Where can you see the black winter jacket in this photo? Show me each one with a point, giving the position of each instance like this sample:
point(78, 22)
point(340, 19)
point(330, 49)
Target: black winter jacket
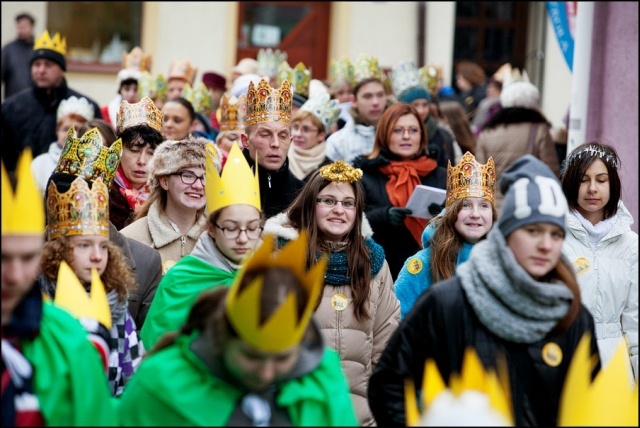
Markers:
point(440, 326)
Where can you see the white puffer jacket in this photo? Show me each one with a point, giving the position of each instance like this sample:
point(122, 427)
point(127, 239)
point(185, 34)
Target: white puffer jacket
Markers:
point(608, 279)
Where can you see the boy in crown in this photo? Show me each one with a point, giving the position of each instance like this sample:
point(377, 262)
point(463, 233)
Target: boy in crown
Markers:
point(29, 117)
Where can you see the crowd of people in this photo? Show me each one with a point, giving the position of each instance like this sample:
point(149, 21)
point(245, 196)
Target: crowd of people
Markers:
point(243, 254)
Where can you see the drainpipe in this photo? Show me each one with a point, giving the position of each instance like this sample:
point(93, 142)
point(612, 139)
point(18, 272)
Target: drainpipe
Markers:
point(581, 76)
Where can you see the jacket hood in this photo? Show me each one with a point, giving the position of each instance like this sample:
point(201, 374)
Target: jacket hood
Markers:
point(621, 225)
point(280, 226)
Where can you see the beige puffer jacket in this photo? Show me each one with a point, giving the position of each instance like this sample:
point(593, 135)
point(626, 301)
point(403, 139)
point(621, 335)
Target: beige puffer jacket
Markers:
point(359, 343)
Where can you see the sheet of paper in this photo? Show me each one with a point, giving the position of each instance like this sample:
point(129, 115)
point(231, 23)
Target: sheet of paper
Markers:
point(422, 197)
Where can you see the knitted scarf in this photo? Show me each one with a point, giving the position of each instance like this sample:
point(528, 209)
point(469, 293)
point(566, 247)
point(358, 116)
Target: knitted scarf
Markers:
point(304, 161)
point(135, 197)
point(338, 267)
point(404, 176)
point(506, 299)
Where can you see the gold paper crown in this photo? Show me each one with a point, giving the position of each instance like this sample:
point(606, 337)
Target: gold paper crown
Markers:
point(22, 211)
point(299, 77)
point(58, 44)
point(144, 112)
point(236, 184)
point(232, 113)
point(607, 401)
point(341, 70)
point(265, 104)
point(471, 179)
point(72, 297)
point(473, 378)
point(182, 69)
point(366, 67)
point(340, 172)
point(88, 157)
point(199, 97)
point(78, 211)
point(284, 328)
point(136, 59)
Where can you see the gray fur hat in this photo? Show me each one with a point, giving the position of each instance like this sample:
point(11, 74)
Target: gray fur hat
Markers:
point(172, 156)
point(532, 194)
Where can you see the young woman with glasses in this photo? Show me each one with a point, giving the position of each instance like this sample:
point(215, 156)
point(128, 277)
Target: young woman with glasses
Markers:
point(358, 310)
point(232, 231)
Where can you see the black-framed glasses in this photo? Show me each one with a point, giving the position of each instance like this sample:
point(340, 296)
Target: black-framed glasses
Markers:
point(234, 232)
point(347, 204)
point(188, 177)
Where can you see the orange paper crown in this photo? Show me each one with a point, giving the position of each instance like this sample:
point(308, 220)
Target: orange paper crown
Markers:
point(471, 179)
point(232, 112)
point(78, 211)
point(265, 104)
point(143, 112)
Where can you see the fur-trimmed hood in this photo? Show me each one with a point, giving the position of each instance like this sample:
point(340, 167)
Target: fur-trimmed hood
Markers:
point(280, 226)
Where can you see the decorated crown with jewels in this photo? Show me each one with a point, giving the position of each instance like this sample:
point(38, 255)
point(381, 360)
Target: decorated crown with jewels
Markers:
point(471, 179)
point(366, 67)
point(232, 112)
point(266, 104)
point(144, 112)
point(327, 110)
point(299, 77)
point(199, 97)
point(405, 76)
point(57, 44)
point(341, 70)
point(88, 157)
point(284, 328)
point(269, 61)
point(78, 211)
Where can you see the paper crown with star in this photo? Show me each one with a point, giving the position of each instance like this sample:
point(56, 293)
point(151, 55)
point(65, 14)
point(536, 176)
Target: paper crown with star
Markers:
point(269, 60)
point(474, 397)
point(144, 112)
point(88, 157)
point(232, 113)
point(23, 210)
point(80, 210)
point(236, 184)
point(299, 77)
point(404, 77)
point(341, 70)
point(327, 110)
point(471, 179)
point(266, 104)
point(366, 67)
point(285, 327)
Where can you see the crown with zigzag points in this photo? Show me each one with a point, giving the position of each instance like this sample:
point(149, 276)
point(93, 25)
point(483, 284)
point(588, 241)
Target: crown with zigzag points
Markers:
point(404, 77)
point(269, 61)
point(341, 70)
point(136, 59)
point(233, 112)
point(299, 77)
point(182, 69)
point(155, 88)
point(367, 67)
point(199, 97)
point(486, 394)
point(144, 112)
point(57, 44)
point(22, 210)
point(236, 184)
point(266, 104)
point(88, 157)
point(471, 179)
point(327, 110)
point(285, 327)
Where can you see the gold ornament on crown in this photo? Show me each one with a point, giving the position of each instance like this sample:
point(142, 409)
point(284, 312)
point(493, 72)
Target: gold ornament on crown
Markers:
point(136, 59)
point(284, 328)
point(299, 77)
point(341, 70)
point(143, 112)
point(22, 210)
point(232, 113)
point(78, 211)
point(236, 184)
point(431, 77)
point(88, 157)
point(57, 44)
point(266, 104)
point(471, 179)
point(366, 67)
point(341, 172)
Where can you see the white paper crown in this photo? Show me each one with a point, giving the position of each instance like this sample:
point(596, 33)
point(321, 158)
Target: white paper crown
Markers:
point(73, 104)
point(405, 76)
point(324, 108)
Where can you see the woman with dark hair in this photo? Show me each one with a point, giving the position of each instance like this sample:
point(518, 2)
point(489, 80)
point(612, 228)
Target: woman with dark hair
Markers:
point(248, 355)
point(358, 310)
point(178, 119)
point(600, 235)
point(398, 163)
point(471, 81)
point(516, 301)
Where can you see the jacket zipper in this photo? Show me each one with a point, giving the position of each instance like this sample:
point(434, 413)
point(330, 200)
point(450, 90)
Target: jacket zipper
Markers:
point(184, 244)
point(269, 180)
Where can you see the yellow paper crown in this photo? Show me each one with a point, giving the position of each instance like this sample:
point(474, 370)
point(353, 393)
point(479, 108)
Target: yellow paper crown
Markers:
point(607, 401)
point(22, 211)
point(72, 297)
point(236, 184)
point(88, 157)
point(78, 211)
point(143, 112)
point(136, 59)
point(182, 69)
point(471, 179)
point(57, 44)
point(265, 104)
point(284, 328)
point(232, 113)
point(366, 67)
point(473, 378)
point(299, 77)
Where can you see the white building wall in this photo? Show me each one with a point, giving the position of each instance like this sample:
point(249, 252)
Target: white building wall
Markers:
point(556, 93)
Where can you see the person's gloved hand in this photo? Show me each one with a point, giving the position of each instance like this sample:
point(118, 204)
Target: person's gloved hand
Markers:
point(434, 209)
point(396, 215)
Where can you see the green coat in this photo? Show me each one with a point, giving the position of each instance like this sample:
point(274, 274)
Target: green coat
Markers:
point(177, 292)
point(175, 388)
point(69, 379)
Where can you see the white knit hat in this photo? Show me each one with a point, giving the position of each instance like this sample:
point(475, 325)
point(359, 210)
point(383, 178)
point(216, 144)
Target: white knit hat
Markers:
point(520, 94)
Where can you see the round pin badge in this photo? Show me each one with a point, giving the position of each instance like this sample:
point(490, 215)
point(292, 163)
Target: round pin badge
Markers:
point(167, 265)
point(552, 354)
point(414, 266)
point(339, 302)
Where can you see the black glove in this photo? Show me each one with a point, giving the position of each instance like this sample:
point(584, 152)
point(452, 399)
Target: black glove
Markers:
point(434, 209)
point(396, 215)
point(434, 151)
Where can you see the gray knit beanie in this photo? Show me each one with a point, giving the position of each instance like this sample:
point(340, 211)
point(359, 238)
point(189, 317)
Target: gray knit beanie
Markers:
point(532, 195)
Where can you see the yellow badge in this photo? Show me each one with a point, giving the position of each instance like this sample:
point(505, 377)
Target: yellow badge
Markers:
point(339, 302)
point(552, 354)
point(414, 266)
point(167, 265)
point(581, 266)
